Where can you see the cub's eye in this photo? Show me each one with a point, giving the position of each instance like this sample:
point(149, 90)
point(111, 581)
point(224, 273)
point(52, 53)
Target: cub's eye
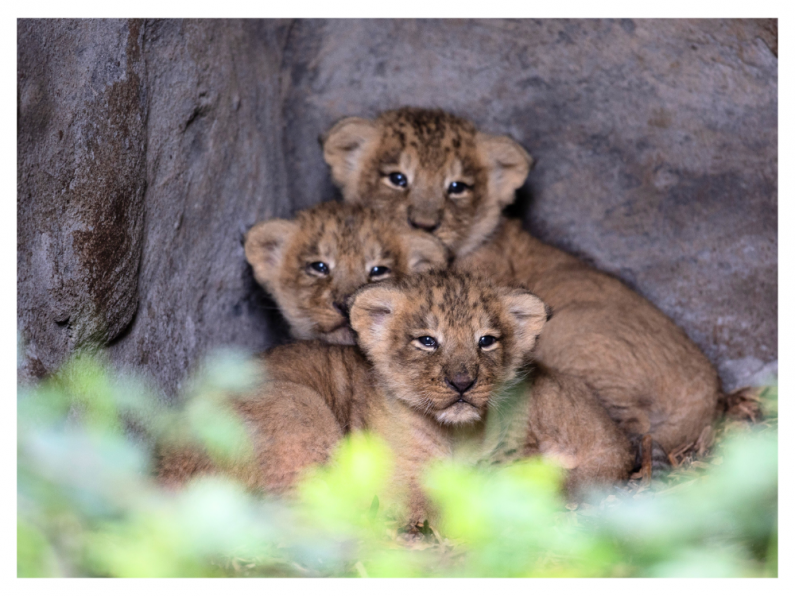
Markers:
point(487, 341)
point(379, 270)
point(426, 341)
point(457, 188)
point(398, 179)
point(319, 267)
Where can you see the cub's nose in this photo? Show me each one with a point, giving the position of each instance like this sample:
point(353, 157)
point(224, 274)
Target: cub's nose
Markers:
point(461, 382)
point(341, 307)
point(423, 225)
point(423, 221)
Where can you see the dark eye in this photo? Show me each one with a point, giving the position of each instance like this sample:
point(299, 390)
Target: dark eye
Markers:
point(487, 341)
point(379, 270)
point(427, 341)
point(320, 267)
point(398, 179)
point(456, 188)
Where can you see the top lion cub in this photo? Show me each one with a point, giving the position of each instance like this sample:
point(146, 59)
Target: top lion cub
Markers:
point(435, 172)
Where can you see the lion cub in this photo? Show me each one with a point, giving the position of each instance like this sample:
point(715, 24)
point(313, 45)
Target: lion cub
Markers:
point(314, 263)
point(434, 171)
point(428, 169)
point(441, 350)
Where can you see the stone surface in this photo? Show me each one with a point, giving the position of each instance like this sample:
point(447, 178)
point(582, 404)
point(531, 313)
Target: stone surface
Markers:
point(655, 141)
point(214, 167)
point(80, 185)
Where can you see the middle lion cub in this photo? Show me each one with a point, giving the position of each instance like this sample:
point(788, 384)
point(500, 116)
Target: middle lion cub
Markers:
point(441, 350)
point(313, 264)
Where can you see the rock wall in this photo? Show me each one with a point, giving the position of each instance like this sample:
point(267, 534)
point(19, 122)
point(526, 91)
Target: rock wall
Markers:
point(146, 149)
point(81, 178)
point(214, 167)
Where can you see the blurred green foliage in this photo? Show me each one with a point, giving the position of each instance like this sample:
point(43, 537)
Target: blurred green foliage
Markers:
point(88, 504)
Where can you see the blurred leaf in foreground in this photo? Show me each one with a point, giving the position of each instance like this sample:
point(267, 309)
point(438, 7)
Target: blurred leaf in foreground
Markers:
point(88, 505)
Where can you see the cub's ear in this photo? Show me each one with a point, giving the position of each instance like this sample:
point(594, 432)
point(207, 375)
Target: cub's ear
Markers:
point(344, 148)
point(508, 165)
point(424, 252)
point(372, 308)
point(265, 247)
point(528, 314)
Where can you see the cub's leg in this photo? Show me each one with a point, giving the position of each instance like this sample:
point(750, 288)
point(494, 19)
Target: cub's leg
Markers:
point(567, 423)
point(415, 441)
point(290, 427)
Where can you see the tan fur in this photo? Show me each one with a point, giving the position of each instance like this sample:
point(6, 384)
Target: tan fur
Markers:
point(405, 394)
point(644, 369)
point(564, 420)
point(313, 394)
point(350, 240)
point(432, 149)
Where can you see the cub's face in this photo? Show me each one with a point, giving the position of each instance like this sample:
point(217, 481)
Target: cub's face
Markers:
point(428, 170)
point(313, 264)
point(445, 343)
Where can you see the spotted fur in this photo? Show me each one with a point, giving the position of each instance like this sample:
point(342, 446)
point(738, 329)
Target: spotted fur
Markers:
point(414, 397)
point(645, 370)
point(561, 419)
point(432, 150)
point(350, 241)
point(455, 311)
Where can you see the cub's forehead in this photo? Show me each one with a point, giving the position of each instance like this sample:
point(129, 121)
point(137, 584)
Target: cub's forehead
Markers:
point(451, 302)
point(426, 133)
point(344, 231)
point(428, 125)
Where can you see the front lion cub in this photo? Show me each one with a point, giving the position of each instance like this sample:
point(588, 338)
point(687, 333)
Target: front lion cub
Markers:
point(446, 348)
point(314, 263)
point(442, 349)
point(434, 171)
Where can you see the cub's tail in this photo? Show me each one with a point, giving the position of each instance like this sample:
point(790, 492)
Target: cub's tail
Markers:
point(651, 459)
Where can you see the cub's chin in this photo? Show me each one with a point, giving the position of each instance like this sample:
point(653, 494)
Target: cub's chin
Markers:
point(342, 336)
point(460, 412)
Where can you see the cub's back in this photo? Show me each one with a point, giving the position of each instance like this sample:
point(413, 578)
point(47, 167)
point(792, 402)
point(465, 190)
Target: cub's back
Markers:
point(648, 374)
point(340, 374)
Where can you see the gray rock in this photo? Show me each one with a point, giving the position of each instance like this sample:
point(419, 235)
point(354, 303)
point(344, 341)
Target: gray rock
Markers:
point(80, 187)
point(655, 141)
point(214, 167)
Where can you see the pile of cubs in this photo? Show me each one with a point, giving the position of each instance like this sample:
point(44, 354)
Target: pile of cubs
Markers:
point(417, 307)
